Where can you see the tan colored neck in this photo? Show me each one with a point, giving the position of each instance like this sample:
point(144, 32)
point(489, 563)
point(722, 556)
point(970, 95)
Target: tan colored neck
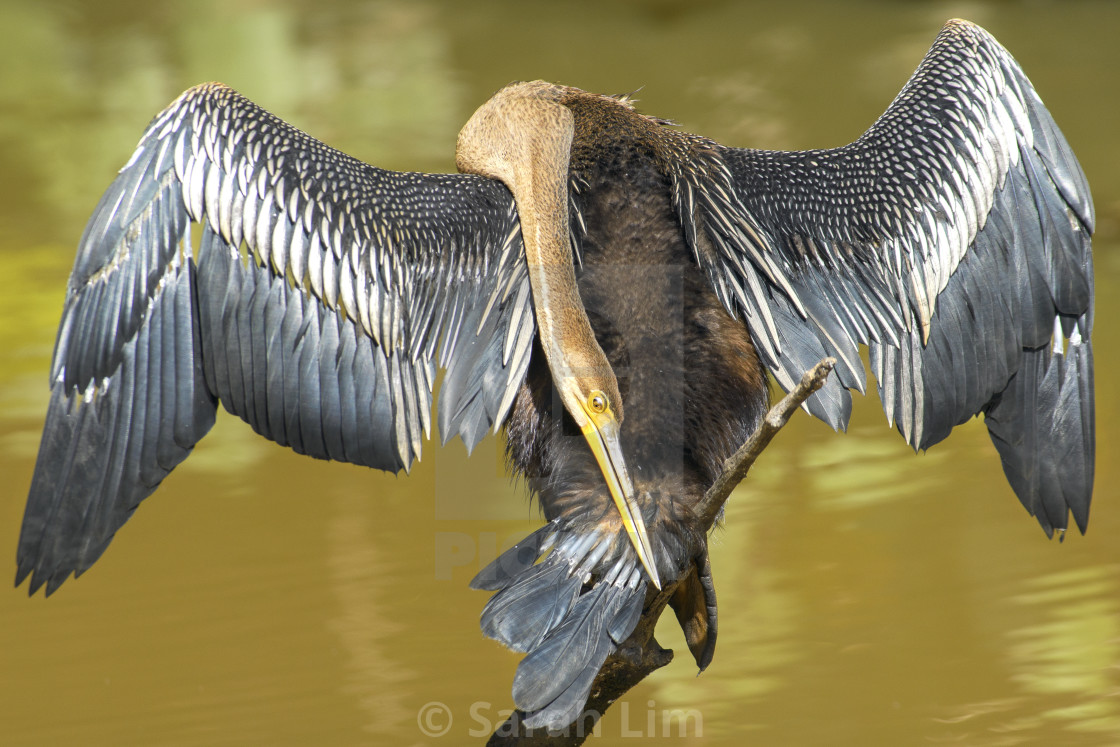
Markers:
point(523, 136)
point(540, 190)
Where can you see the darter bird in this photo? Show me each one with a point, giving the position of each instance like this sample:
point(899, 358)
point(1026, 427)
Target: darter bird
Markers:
point(610, 290)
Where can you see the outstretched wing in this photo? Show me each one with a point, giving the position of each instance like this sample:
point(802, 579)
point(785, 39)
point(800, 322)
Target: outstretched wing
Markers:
point(325, 293)
point(953, 238)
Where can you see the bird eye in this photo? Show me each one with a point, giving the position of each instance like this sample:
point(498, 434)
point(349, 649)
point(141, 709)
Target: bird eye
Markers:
point(597, 401)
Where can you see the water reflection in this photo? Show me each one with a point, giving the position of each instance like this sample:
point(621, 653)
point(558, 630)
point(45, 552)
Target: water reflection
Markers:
point(364, 624)
point(1068, 654)
point(1061, 649)
point(866, 596)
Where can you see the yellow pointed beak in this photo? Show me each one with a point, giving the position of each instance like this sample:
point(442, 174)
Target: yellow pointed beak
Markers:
point(602, 434)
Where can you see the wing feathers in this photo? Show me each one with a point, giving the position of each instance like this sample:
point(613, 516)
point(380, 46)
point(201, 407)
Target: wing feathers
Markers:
point(950, 238)
point(107, 447)
point(324, 290)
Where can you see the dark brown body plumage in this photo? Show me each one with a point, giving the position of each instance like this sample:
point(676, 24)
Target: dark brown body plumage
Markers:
point(692, 384)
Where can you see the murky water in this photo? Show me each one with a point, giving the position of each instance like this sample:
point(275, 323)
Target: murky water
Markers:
point(866, 596)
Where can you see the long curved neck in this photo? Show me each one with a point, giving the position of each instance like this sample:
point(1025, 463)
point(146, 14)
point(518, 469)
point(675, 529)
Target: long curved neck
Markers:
point(540, 190)
point(523, 136)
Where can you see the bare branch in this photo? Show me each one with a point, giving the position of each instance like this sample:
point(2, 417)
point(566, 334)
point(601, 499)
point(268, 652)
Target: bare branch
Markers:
point(736, 466)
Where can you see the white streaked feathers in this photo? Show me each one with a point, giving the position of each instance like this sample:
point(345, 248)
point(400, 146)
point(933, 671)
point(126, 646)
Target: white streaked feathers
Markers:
point(309, 215)
point(823, 250)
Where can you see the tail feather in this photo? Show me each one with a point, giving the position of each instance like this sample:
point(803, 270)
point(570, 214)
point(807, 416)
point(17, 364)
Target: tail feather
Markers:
point(567, 623)
point(626, 619)
point(526, 611)
point(553, 682)
point(509, 566)
point(566, 660)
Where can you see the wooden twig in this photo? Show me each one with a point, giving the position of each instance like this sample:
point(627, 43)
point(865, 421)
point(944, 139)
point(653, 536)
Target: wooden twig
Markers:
point(736, 466)
point(640, 654)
